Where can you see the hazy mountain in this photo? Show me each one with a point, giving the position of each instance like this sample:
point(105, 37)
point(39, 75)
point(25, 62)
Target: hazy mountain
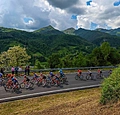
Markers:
point(97, 36)
point(110, 31)
point(69, 31)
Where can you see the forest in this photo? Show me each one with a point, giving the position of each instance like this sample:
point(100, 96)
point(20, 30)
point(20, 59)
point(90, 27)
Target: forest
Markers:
point(51, 48)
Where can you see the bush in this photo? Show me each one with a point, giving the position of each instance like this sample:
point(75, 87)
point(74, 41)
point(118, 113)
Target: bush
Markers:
point(111, 88)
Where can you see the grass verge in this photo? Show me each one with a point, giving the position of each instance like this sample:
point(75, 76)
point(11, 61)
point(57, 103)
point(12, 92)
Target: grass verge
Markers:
point(82, 102)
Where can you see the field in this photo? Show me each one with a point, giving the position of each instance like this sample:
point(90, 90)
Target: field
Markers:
point(82, 102)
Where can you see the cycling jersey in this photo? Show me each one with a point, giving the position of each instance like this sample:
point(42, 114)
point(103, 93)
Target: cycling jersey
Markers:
point(44, 77)
point(51, 74)
point(89, 72)
point(35, 75)
point(27, 79)
point(1, 75)
point(56, 77)
point(14, 80)
point(99, 71)
point(79, 71)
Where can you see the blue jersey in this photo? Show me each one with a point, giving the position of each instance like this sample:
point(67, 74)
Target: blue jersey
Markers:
point(61, 73)
point(1, 75)
point(51, 74)
point(14, 80)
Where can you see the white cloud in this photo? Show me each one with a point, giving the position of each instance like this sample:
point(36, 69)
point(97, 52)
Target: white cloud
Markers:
point(58, 13)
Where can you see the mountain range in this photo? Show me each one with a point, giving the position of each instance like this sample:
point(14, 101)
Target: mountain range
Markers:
point(49, 40)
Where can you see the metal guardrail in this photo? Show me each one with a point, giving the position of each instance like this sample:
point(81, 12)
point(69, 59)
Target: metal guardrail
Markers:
point(75, 68)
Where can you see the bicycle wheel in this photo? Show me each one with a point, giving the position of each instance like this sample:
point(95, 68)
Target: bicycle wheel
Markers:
point(22, 85)
point(7, 88)
point(76, 77)
point(31, 84)
point(39, 83)
point(102, 76)
point(93, 78)
point(87, 77)
point(97, 76)
point(81, 77)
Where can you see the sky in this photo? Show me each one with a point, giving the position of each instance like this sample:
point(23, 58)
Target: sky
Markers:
point(31, 15)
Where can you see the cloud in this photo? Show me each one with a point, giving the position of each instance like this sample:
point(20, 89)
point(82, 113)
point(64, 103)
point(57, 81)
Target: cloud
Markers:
point(62, 4)
point(61, 14)
point(17, 10)
point(61, 19)
point(76, 10)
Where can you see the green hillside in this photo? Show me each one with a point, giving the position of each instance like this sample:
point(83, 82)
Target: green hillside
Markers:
point(49, 30)
point(45, 41)
point(97, 36)
point(48, 44)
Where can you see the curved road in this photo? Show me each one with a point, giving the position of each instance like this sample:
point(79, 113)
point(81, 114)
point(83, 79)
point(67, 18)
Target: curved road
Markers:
point(72, 83)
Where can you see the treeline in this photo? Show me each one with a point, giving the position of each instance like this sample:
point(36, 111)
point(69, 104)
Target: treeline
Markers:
point(103, 55)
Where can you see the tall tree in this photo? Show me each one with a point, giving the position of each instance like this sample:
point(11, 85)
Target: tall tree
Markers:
point(15, 56)
point(54, 61)
point(105, 49)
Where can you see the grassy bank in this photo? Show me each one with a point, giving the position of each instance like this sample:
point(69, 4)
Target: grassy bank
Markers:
point(82, 102)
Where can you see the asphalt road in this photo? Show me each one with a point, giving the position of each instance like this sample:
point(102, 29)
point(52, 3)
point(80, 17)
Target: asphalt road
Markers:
point(72, 83)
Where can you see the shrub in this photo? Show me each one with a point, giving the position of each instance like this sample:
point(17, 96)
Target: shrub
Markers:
point(111, 88)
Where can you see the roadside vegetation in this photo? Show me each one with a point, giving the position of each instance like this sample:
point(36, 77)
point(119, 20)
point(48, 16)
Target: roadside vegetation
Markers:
point(111, 88)
point(82, 102)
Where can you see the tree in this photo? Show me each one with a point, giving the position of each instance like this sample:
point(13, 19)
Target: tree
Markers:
point(105, 50)
point(80, 60)
point(15, 56)
point(54, 61)
point(4, 59)
point(38, 65)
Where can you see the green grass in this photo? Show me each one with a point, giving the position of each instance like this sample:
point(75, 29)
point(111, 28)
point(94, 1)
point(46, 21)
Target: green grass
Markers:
point(82, 102)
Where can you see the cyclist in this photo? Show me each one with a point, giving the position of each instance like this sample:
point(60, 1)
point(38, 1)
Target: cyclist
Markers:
point(89, 72)
point(35, 76)
point(43, 77)
point(14, 81)
point(9, 81)
point(79, 72)
point(61, 73)
point(57, 80)
point(110, 71)
point(99, 72)
point(62, 76)
point(26, 81)
point(51, 74)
